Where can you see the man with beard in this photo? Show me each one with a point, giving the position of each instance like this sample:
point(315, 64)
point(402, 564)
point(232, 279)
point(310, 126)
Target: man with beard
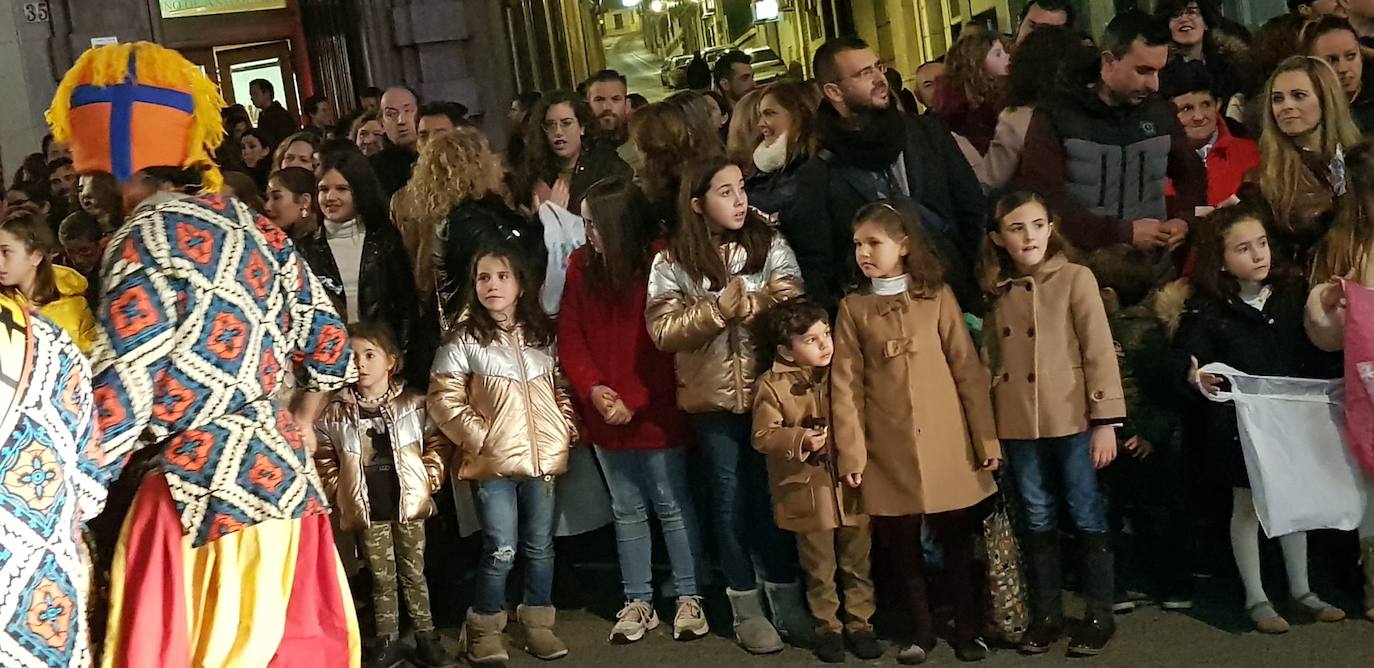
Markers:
point(608, 96)
point(871, 151)
point(1100, 153)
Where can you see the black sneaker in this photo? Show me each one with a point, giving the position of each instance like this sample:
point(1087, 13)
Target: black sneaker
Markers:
point(972, 650)
point(1040, 637)
point(864, 644)
point(830, 648)
point(1091, 637)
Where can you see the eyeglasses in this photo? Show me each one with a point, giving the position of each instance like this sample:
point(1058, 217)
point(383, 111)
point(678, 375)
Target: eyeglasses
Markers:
point(878, 68)
point(1191, 11)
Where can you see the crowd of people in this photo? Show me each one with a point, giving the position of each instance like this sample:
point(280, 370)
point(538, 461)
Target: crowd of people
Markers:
point(821, 332)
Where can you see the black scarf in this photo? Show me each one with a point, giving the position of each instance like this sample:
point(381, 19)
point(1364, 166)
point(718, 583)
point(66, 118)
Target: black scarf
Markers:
point(871, 141)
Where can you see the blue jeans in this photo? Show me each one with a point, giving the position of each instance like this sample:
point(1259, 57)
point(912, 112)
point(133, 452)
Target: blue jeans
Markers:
point(515, 508)
point(660, 476)
point(1051, 471)
point(746, 536)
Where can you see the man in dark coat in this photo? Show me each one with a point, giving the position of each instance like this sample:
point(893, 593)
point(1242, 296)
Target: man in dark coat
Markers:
point(871, 151)
point(400, 122)
point(274, 120)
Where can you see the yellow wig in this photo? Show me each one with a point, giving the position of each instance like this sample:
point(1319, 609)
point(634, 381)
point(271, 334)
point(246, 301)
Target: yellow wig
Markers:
point(126, 107)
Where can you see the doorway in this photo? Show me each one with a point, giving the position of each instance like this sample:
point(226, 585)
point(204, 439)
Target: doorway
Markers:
point(233, 67)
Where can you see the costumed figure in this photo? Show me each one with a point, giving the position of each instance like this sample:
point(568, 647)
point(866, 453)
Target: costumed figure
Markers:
point(226, 556)
point(51, 483)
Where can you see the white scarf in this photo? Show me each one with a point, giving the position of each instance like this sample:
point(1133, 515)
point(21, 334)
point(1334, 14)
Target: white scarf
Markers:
point(771, 156)
point(895, 285)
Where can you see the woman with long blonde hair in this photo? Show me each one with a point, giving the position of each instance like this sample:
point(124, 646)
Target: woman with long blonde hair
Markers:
point(1306, 132)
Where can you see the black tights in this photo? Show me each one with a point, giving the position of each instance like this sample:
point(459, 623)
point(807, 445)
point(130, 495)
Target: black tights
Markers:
point(955, 531)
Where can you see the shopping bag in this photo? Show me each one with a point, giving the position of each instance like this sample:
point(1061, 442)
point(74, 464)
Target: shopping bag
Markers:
point(1359, 355)
point(564, 232)
point(1292, 431)
point(1009, 612)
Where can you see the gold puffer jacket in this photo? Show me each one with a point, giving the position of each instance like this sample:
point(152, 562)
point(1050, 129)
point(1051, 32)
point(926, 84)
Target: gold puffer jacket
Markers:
point(341, 457)
point(716, 359)
point(506, 406)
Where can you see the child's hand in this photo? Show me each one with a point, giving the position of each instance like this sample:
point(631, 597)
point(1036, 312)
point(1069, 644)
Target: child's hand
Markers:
point(991, 464)
point(1102, 446)
point(1333, 295)
point(854, 480)
point(731, 299)
point(1205, 382)
point(813, 440)
point(603, 399)
point(1138, 447)
point(620, 414)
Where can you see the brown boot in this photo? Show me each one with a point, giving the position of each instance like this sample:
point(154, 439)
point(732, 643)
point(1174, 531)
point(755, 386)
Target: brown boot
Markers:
point(539, 638)
point(482, 635)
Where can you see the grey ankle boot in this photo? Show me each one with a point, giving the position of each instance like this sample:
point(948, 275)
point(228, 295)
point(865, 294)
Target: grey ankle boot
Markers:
point(790, 615)
point(753, 632)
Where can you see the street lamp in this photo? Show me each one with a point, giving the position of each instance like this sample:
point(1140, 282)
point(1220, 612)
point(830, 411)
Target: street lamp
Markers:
point(656, 6)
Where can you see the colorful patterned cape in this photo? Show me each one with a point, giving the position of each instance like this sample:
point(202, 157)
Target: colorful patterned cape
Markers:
point(205, 307)
point(50, 483)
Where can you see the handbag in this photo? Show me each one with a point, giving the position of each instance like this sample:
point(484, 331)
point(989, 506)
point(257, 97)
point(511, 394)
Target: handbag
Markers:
point(1008, 610)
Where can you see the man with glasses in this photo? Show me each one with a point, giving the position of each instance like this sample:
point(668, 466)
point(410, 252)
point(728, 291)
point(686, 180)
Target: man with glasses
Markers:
point(400, 111)
point(1131, 139)
point(870, 151)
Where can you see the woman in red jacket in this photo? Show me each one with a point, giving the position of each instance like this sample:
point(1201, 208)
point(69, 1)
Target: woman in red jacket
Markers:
point(1226, 156)
point(627, 395)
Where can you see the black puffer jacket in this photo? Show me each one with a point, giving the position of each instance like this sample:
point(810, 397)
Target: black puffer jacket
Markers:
point(470, 227)
point(772, 192)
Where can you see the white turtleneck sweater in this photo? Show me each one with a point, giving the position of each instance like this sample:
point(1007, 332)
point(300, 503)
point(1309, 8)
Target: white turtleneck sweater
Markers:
point(891, 286)
point(346, 244)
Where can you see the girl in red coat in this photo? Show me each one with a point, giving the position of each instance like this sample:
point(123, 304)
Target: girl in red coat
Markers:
point(627, 395)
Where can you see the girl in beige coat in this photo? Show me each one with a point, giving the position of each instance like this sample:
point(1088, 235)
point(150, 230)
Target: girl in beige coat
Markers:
point(1057, 393)
point(909, 402)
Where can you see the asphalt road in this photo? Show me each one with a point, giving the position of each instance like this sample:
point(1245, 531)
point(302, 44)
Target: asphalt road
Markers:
point(1214, 634)
point(626, 54)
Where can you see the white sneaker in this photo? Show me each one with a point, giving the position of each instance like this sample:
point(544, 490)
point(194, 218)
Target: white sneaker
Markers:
point(689, 623)
point(633, 621)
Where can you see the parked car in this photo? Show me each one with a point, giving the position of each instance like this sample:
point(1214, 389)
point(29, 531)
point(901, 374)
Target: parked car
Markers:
point(713, 53)
point(673, 72)
point(767, 65)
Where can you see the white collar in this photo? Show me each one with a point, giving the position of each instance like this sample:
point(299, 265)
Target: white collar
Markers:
point(895, 285)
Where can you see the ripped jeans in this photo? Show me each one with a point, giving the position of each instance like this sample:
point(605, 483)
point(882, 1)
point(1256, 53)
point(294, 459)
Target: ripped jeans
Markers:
point(515, 509)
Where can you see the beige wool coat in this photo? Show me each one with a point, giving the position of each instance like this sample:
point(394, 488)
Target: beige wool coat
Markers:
point(806, 488)
point(1054, 367)
point(910, 401)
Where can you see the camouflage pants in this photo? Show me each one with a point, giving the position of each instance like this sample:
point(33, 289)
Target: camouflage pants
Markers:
point(393, 548)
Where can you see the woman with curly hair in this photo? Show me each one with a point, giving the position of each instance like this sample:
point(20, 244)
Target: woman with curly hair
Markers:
point(973, 89)
point(450, 207)
point(560, 161)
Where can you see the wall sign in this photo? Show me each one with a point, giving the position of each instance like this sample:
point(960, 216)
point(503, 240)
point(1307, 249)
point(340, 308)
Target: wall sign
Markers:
point(176, 9)
point(36, 12)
